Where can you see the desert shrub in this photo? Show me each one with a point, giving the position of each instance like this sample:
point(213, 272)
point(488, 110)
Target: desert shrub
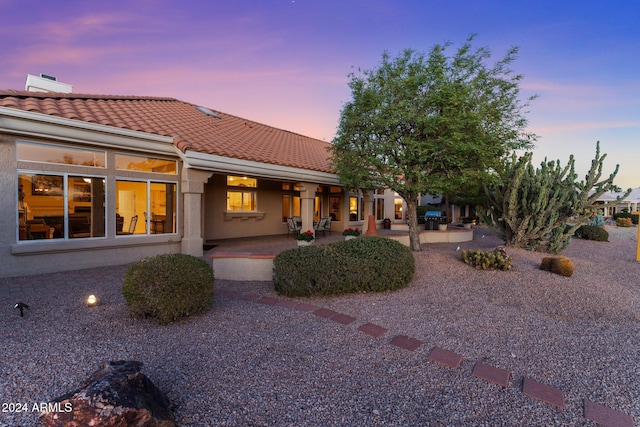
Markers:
point(592, 232)
point(366, 264)
point(623, 222)
point(558, 265)
point(626, 214)
point(597, 220)
point(496, 260)
point(169, 287)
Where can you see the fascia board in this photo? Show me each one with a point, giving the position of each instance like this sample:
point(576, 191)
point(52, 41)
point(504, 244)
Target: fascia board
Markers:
point(28, 123)
point(221, 164)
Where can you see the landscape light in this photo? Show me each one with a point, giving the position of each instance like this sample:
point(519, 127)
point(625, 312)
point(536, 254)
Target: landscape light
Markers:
point(92, 300)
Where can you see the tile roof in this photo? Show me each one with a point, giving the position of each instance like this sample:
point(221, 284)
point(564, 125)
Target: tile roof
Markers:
point(227, 136)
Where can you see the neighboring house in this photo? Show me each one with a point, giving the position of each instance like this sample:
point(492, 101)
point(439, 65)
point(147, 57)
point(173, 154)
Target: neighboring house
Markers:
point(631, 202)
point(93, 180)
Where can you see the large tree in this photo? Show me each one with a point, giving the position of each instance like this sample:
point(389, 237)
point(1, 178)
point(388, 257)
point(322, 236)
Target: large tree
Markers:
point(429, 123)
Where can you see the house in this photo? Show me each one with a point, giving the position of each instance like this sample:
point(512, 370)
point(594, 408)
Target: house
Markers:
point(95, 180)
point(631, 202)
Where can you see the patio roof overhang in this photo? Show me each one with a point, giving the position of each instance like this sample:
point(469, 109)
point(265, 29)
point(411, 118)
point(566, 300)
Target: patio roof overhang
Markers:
point(204, 161)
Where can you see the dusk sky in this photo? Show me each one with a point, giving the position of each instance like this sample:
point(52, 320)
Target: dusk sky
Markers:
point(286, 63)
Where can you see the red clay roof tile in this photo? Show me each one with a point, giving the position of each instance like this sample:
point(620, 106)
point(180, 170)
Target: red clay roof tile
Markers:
point(228, 135)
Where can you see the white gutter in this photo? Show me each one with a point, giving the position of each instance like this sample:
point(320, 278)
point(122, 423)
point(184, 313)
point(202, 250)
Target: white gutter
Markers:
point(196, 160)
point(38, 125)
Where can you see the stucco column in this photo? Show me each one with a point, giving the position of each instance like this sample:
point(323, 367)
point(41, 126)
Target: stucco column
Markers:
point(367, 199)
point(192, 187)
point(307, 198)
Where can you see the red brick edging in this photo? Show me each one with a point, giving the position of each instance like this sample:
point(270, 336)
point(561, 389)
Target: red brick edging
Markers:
point(542, 392)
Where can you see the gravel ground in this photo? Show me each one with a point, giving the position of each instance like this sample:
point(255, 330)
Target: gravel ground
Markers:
point(249, 364)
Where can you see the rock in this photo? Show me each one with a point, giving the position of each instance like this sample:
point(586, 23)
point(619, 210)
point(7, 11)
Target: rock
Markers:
point(117, 394)
point(558, 265)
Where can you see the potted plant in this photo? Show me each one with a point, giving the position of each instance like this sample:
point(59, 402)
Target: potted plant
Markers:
point(351, 233)
point(442, 225)
point(306, 238)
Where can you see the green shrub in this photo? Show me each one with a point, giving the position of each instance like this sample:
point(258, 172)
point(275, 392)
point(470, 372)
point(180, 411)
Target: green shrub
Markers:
point(592, 232)
point(169, 287)
point(366, 264)
point(496, 260)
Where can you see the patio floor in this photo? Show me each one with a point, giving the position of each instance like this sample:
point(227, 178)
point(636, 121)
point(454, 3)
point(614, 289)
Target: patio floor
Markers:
point(277, 243)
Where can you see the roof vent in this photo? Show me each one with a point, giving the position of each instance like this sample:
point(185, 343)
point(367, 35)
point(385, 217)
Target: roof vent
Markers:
point(46, 83)
point(208, 112)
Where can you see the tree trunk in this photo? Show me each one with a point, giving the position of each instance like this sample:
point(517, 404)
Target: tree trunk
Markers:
point(412, 217)
point(447, 209)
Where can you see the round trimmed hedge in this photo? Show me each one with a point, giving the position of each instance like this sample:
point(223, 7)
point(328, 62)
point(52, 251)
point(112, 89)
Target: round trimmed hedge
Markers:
point(365, 264)
point(169, 287)
point(592, 232)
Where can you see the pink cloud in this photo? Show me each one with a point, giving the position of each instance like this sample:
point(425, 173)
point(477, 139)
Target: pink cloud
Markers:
point(584, 126)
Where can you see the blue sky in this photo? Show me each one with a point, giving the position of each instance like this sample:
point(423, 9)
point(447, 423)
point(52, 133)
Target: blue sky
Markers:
point(286, 63)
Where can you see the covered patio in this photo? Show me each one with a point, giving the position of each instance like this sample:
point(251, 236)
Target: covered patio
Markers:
point(251, 258)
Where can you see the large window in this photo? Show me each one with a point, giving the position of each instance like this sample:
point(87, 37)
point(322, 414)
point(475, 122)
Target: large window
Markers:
point(145, 207)
point(145, 164)
point(60, 206)
point(60, 196)
point(379, 209)
point(241, 193)
point(398, 209)
point(379, 204)
point(291, 202)
point(59, 154)
point(354, 206)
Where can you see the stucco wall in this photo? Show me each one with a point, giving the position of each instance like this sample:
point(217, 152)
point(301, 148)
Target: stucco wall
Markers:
point(217, 225)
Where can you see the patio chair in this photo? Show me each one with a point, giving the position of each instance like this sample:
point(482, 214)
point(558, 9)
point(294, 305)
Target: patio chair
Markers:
point(327, 225)
point(132, 226)
point(293, 227)
point(320, 226)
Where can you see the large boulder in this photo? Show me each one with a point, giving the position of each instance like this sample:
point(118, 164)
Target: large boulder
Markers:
point(117, 394)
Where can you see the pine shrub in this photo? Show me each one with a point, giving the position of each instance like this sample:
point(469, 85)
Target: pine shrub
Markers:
point(366, 264)
point(169, 287)
point(592, 232)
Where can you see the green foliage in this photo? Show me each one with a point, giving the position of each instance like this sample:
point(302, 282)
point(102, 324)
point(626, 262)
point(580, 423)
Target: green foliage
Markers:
point(592, 232)
point(351, 232)
point(487, 260)
point(307, 236)
point(366, 264)
point(439, 121)
point(169, 287)
point(597, 220)
point(540, 209)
